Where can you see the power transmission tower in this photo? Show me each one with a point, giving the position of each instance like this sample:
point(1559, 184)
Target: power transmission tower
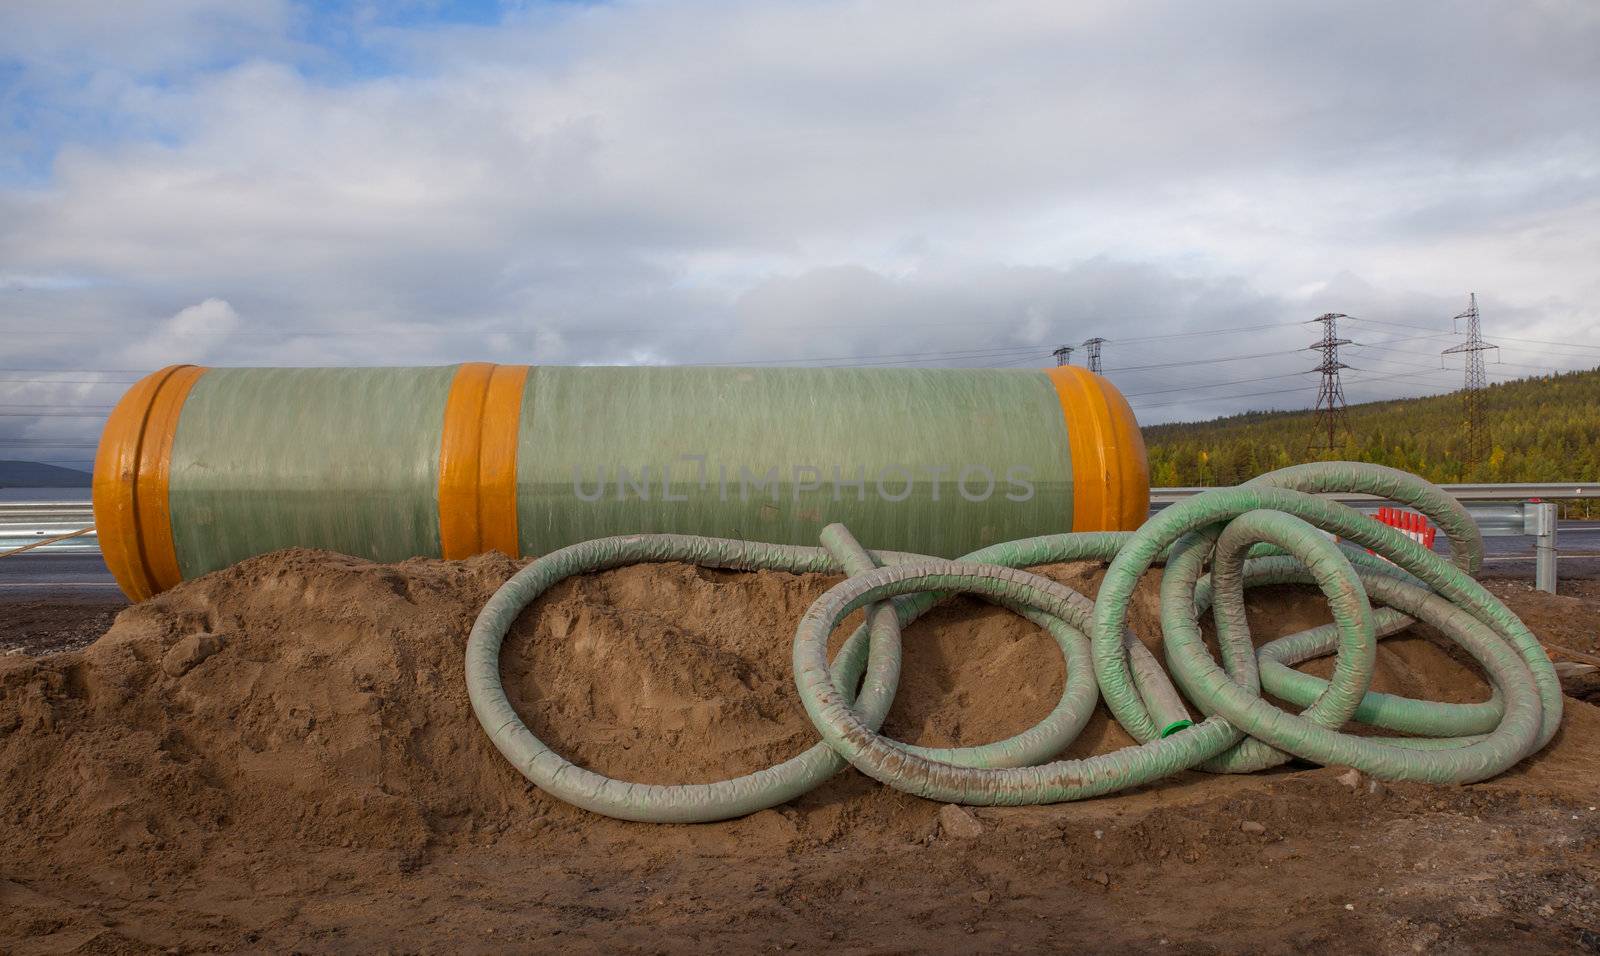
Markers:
point(1092, 347)
point(1330, 411)
point(1477, 433)
point(1064, 355)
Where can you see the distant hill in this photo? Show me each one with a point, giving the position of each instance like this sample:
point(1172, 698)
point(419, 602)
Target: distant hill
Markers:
point(33, 474)
point(1541, 429)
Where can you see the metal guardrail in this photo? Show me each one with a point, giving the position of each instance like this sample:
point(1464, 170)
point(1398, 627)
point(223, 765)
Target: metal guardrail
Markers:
point(1525, 491)
point(1499, 510)
point(29, 522)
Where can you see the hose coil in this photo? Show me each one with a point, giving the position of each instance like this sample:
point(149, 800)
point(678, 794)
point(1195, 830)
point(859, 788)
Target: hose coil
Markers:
point(1271, 530)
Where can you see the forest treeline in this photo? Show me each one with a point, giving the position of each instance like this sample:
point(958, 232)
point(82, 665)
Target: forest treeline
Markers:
point(1540, 429)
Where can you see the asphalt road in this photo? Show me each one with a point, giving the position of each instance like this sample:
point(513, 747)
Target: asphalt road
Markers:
point(1577, 554)
point(79, 578)
point(65, 577)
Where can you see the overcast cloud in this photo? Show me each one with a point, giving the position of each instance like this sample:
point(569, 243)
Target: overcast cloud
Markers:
point(258, 182)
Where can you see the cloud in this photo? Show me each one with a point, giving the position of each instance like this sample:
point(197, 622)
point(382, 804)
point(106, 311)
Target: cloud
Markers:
point(197, 331)
point(768, 181)
point(139, 36)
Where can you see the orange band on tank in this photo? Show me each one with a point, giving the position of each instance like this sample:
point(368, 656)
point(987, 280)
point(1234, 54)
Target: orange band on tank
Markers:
point(132, 467)
point(497, 468)
point(478, 460)
point(1110, 471)
point(458, 460)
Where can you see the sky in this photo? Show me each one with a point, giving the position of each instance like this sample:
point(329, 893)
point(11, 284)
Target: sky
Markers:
point(922, 183)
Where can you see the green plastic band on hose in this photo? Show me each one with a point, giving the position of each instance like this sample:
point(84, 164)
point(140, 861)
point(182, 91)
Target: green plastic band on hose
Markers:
point(1176, 726)
point(1269, 531)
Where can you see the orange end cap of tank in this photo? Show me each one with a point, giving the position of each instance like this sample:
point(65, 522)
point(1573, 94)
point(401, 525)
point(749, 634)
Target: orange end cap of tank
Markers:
point(132, 513)
point(1110, 470)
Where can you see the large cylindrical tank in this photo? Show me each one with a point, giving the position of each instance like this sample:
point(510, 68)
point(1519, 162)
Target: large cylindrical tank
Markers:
point(199, 468)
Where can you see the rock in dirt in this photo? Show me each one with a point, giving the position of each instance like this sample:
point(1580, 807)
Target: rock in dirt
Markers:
point(1581, 681)
point(1351, 778)
point(1251, 826)
point(958, 822)
point(188, 652)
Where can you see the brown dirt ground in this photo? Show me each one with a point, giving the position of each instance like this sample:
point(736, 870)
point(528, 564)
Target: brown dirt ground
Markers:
point(46, 627)
point(317, 783)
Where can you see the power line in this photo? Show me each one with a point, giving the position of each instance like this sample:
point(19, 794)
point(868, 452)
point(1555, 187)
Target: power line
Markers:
point(33, 333)
point(1211, 360)
point(1507, 338)
point(1025, 360)
point(1434, 369)
point(1218, 398)
point(1032, 356)
point(1000, 352)
point(868, 359)
point(890, 358)
point(1542, 368)
point(1276, 391)
point(1181, 335)
point(804, 327)
point(1223, 398)
point(1522, 350)
point(1385, 359)
point(1565, 345)
point(1425, 370)
point(1241, 381)
point(1405, 338)
point(1497, 361)
point(70, 381)
point(1399, 325)
point(1586, 363)
point(1384, 342)
point(1390, 377)
point(36, 442)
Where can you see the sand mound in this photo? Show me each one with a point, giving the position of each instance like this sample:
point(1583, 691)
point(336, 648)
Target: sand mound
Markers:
point(312, 697)
point(260, 736)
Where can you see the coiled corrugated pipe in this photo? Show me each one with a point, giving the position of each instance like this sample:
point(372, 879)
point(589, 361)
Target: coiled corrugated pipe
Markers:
point(199, 468)
point(848, 697)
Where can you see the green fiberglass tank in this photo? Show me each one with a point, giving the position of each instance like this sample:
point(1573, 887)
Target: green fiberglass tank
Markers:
point(199, 468)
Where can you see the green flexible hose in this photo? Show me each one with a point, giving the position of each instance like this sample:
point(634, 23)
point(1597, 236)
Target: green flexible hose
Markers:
point(1271, 530)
